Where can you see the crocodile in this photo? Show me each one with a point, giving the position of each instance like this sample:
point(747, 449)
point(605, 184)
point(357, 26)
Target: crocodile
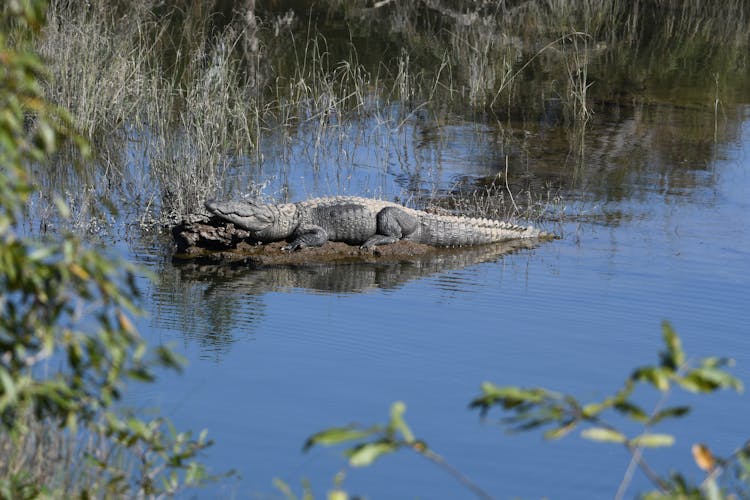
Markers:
point(362, 221)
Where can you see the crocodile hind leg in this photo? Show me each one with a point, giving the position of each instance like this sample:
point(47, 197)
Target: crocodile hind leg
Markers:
point(307, 236)
point(393, 224)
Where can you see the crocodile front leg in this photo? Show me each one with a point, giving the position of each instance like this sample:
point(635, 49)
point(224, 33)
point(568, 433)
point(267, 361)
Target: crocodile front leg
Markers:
point(307, 236)
point(393, 224)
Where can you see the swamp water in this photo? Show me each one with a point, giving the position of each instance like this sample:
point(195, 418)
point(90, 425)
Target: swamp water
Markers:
point(660, 232)
point(652, 205)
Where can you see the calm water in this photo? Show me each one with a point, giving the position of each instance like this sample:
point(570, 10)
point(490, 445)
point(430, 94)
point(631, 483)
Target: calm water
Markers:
point(655, 227)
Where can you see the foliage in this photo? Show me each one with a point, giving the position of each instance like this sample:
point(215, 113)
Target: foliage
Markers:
point(389, 438)
point(533, 408)
point(67, 343)
point(373, 442)
point(337, 493)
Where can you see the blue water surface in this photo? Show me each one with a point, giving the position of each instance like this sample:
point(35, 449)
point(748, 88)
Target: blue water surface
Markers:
point(272, 361)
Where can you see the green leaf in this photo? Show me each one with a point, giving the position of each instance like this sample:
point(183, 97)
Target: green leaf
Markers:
point(561, 431)
point(337, 494)
point(717, 377)
point(398, 423)
point(140, 428)
point(632, 411)
point(593, 409)
point(674, 357)
point(512, 392)
point(652, 440)
point(692, 384)
point(673, 412)
point(709, 380)
point(510, 397)
point(658, 377)
point(195, 473)
point(284, 488)
point(528, 422)
point(366, 454)
point(41, 253)
point(47, 139)
point(141, 374)
point(169, 358)
point(603, 434)
point(338, 435)
point(9, 394)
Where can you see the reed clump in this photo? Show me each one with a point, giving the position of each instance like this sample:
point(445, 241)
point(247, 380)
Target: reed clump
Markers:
point(198, 88)
point(41, 455)
point(45, 462)
point(191, 99)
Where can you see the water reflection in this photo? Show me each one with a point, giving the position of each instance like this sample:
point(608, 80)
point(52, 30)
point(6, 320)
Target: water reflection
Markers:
point(211, 304)
point(627, 154)
point(215, 321)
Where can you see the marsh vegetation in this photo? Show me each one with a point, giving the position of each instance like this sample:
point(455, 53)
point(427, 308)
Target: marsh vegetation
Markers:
point(186, 101)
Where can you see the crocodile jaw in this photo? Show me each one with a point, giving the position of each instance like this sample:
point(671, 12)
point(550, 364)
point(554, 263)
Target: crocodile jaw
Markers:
point(247, 215)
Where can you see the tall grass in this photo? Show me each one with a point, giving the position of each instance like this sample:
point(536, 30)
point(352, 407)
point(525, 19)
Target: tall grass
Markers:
point(200, 88)
point(44, 461)
point(113, 70)
point(99, 65)
point(41, 455)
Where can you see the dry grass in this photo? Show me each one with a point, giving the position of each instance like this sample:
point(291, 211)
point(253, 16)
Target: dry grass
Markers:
point(44, 462)
point(199, 96)
point(41, 455)
point(194, 112)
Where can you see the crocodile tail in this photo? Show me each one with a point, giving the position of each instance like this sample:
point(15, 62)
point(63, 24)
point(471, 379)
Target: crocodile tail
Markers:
point(446, 231)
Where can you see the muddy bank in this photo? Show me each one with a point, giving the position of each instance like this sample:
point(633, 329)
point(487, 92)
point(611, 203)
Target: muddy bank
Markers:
point(210, 240)
point(331, 252)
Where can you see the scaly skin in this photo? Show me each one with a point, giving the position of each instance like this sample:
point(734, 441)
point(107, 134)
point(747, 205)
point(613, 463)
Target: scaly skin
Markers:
point(363, 221)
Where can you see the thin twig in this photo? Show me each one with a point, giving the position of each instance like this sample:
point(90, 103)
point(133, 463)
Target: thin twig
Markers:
point(443, 464)
point(637, 460)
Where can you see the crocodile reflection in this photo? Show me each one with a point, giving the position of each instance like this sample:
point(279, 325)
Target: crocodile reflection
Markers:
point(215, 305)
point(340, 278)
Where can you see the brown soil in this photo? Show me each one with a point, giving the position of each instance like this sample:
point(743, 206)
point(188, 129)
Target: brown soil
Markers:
point(273, 253)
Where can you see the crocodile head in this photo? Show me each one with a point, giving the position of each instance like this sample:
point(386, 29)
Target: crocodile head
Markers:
point(247, 215)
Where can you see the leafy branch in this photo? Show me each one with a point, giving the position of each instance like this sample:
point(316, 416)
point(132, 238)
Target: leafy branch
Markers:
point(68, 346)
point(373, 442)
point(536, 407)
